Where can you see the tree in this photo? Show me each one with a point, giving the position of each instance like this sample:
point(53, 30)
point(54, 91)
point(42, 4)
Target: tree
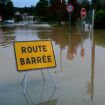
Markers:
point(9, 10)
point(57, 10)
point(2, 8)
point(41, 9)
point(98, 4)
point(100, 13)
point(6, 9)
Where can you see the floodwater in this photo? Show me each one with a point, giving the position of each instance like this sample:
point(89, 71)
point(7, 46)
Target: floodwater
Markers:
point(79, 75)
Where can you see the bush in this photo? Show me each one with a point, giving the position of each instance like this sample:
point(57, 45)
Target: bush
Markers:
point(100, 19)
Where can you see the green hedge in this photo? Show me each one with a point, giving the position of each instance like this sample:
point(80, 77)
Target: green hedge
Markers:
point(100, 19)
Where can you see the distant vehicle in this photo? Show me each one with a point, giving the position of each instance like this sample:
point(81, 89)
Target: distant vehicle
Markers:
point(9, 21)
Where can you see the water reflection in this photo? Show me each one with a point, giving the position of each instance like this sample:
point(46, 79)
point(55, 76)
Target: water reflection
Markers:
point(72, 46)
point(90, 84)
point(59, 37)
point(71, 82)
point(6, 39)
point(44, 98)
point(73, 42)
point(82, 51)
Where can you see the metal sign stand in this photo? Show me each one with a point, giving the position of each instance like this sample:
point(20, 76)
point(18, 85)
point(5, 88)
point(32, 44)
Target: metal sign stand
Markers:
point(24, 80)
point(29, 100)
point(52, 78)
point(43, 74)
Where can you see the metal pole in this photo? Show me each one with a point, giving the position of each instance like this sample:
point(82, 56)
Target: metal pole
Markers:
point(82, 26)
point(25, 82)
point(43, 75)
point(42, 92)
point(69, 21)
point(92, 37)
point(93, 12)
point(93, 18)
point(61, 58)
point(52, 78)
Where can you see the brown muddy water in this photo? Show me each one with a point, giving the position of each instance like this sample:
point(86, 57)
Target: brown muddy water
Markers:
point(79, 74)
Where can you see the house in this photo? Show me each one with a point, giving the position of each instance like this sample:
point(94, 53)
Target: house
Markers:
point(25, 17)
point(28, 18)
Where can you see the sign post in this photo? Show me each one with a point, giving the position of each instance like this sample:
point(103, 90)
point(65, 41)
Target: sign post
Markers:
point(0, 18)
point(70, 9)
point(93, 17)
point(34, 55)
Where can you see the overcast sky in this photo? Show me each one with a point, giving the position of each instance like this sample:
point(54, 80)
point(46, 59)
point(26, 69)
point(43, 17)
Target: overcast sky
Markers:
point(23, 3)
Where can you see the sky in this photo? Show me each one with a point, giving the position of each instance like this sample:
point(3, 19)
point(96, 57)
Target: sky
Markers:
point(24, 3)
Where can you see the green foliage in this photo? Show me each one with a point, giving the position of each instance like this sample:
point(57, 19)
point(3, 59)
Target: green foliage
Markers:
point(41, 9)
point(86, 5)
point(57, 11)
point(6, 9)
point(54, 11)
point(100, 19)
point(9, 10)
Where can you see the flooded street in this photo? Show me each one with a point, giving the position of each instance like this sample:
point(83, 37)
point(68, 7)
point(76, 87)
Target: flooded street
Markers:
point(79, 74)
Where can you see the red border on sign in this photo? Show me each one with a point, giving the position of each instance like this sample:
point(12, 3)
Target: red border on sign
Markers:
point(83, 15)
point(67, 8)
